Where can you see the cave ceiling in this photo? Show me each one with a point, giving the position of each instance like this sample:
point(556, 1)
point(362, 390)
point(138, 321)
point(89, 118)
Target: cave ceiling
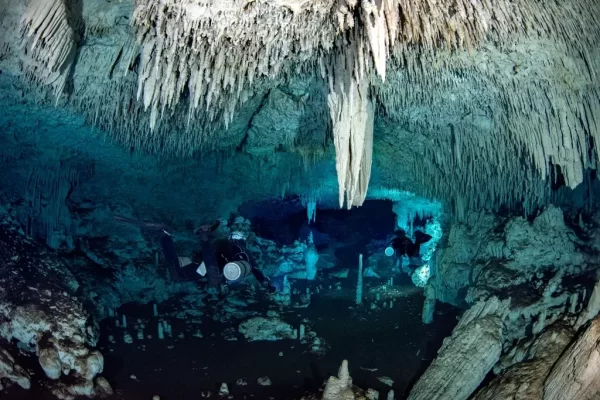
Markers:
point(204, 104)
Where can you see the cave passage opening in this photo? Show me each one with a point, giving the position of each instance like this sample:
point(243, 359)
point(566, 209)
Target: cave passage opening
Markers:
point(347, 232)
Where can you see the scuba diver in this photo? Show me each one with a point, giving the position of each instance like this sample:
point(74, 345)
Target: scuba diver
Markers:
point(402, 246)
point(224, 261)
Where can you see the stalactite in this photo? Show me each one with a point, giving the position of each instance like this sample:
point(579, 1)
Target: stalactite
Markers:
point(45, 212)
point(352, 116)
point(197, 62)
point(533, 124)
point(222, 51)
point(310, 202)
point(48, 41)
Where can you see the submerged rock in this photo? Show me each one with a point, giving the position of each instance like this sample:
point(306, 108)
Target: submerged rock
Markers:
point(342, 274)
point(386, 380)
point(259, 328)
point(264, 381)
point(224, 390)
point(575, 375)
point(525, 380)
point(466, 356)
point(41, 314)
point(340, 387)
point(12, 371)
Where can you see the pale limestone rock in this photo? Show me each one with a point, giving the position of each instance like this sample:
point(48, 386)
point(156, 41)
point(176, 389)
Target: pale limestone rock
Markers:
point(428, 304)
point(576, 375)
point(264, 381)
point(50, 362)
point(12, 371)
point(466, 356)
point(340, 387)
point(103, 388)
point(259, 328)
point(93, 366)
point(525, 380)
point(40, 313)
point(224, 390)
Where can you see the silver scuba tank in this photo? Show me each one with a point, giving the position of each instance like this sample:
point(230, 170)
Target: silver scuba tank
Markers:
point(236, 270)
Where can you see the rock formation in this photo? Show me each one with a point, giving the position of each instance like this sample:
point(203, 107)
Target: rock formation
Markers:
point(467, 355)
point(476, 104)
point(539, 267)
point(575, 374)
point(12, 371)
point(525, 379)
point(340, 387)
point(489, 108)
point(39, 311)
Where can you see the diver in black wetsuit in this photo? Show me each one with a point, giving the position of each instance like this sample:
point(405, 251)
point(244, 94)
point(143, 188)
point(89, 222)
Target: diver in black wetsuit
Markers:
point(402, 246)
point(225, 261)
point(235, 263)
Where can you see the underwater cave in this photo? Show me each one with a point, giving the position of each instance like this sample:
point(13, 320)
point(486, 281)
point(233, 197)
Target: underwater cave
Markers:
point(299, 200)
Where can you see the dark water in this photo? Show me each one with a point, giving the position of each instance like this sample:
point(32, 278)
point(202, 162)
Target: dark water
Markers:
point(394, 341)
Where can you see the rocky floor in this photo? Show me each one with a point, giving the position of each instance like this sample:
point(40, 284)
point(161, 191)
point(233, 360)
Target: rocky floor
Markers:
point(379, 343)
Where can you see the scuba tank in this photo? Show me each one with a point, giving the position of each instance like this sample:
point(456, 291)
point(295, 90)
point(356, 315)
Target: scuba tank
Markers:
point(238, 266)
point(389, 251)
point(236, 270)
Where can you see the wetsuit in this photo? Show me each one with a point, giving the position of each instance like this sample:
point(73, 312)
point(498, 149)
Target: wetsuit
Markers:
point(403, 246)
point(214, 256)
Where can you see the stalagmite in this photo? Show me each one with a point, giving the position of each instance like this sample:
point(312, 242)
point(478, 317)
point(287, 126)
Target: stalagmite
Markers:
point(311, 257)
point(592, 309)
point(359, 281)
point(340, 387)
point(429, 304)
point(573, 303)
point(224, 390)
point(540, 324)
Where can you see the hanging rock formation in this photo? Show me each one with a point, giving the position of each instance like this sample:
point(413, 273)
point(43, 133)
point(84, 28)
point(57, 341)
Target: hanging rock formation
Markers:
point(483, 97)
point(352, 115)
point(48, 41)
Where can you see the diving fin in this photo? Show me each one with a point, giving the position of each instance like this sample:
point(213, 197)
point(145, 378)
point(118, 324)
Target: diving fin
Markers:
point(421, 237)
